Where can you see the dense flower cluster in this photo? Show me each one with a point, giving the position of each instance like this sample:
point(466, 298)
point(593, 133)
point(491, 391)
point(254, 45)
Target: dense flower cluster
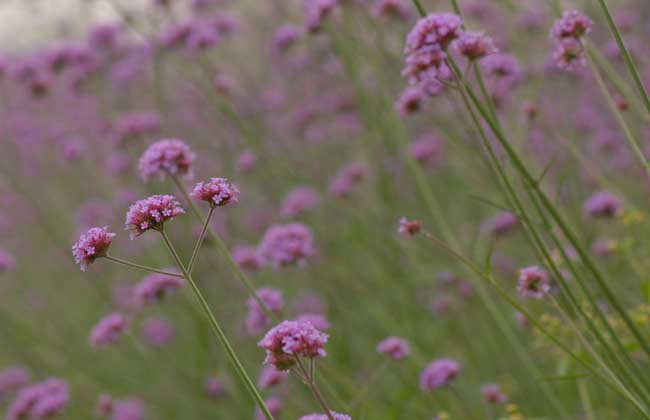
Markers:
point(155, 287)
point(475, 45)
point(152, 213)
point(256, 318)
point(289, 244)
point(92, 245)
point(394, 347)
point(290, 340)
point(216, 191)
point(567, 34)
point(40, 401)
point(438, 374)
point(108, 330)
point(165, 157)
point(603, 204)
point(533, 282)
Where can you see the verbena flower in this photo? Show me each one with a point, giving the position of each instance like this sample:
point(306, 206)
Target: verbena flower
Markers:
point(214, 387)
point(394, 347)
point(475, 45)
point(108, 330)
point(256, 318)
point(12, 379)
point(316, 12)
point(92, 245)
point(533, 283)
point(39, 401)
point(274, 405)
point(290, 340)
point(567, 34)
point(501, 224)
point(337, 416)
point(247, 257)
point(164, 157)
point(394, 9)
point(572, 24)
point(152, 213)
point(409, 227)
point(7, 262)
point(216, 192)
point(289, 244)
point(603, 204)
point(438, 374)
point(298, 201)
point(270, 376)
point(155, 287)
point(317, 320)
point(158, 331)
point(427, 150)
point(129, 409)
point(493, 394)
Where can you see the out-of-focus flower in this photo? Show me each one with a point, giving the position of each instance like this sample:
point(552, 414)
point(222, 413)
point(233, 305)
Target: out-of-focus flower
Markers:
point(274, 405)
point(108, 330)
point(155, 287)
point(533, 282)
point(409, 227)
point(12, 379)
point(347, 178)
point(289, 244)
point(396, 348)
point(337, 416)
point(256, 318)
point(39, 401)
point(438, 374)
point(316, 12)
point(493, 394)
point(298, 201)
point(393, 9)
point(7, 261)
point(270, 376)
point(317, 320)
point(475, 45)
point(131, 409)
point(602, 204)
point(214, 387)
point(158, 331)
point(166, 157)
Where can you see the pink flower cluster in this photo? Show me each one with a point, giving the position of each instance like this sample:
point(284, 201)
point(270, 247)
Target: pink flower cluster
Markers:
point(567, 34)
point(164, 157)
point(12, 379)
point(337, 416)
point(475, 45)
point(40, 401)
point(152, 213)
point(92, 245)
point(316, 11)
point(533, 282)
point(603, 204)
point(155, 287)
point(289, 244)
point(409, 227)
point(438, 374)
point(108, 330)
point(347, 178)
point(290, 340)
point(256, 319)
point(396, 348)
point(270, 376)
point(216, 192)
point(298, 201)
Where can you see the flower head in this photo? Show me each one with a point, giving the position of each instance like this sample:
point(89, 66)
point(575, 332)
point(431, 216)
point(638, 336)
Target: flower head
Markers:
point(298, 201)
point(155, 287)
point(92, 245)
point(39, 401)
point(396, 9)
point(396, 348)
point(409, 227)
point(216, 191)
point(493, 394)
point(572, 24)
point(256, 319)
point(214, 387)
point(7, 261)
point(152, 213)
point(475, 45)
point(316, 11)
point(158, 331)
point(108, 330)
point(289, 244)
point(438, 374)
point(291, 339)
point(603, 204)
point(131, 409)
point(12, 379)
point(533, 282)
point(273, 404)
point(270, 376)
point(164, 157)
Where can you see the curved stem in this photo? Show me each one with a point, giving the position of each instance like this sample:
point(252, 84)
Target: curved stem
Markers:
point(239, 368)
point(140, 267)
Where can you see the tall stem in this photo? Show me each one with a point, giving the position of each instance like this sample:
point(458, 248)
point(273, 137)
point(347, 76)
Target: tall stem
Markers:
point(199, 241)
point(311, 384)
point(239, 368)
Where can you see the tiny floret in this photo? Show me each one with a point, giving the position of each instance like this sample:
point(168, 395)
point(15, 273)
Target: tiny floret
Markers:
point(92, 245)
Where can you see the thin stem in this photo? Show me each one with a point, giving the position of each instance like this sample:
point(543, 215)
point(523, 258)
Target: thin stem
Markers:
point(199, 241)
point(419, 7)
point(311, 384)
point(239, 368)
point(141, 267)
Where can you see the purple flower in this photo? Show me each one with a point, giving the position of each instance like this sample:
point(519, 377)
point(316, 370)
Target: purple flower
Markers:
point(439, 373)
point(92, 245)
point(602, 204)
point(427, 150)
point(247, 257)
point(104, 405)
point(501, 224)
point(166, 157)
point(12, 379)
point(317, 320)
point(7, 261)
point(152, 213)
point(108, 330)
point(289, 244)
point(135, 125)
point(256, 319)
point(291, 339)
point(131, 409)
point(285, 37)
point(158, 331)
point(273, 404)
point(410, 101)
point(270, 376)
point(347, 178)
point(475, 45)
point(572, 24)
point(533, 282)
point(493, 394)
point(216, 191)
point(298, 201)
point(39, 401)
point(214, 387)
point(426, 45)
point(396, 348)
point(409, 227)
point(155, 287)
point(316, 11)
point(396, 9)
point(569, 54)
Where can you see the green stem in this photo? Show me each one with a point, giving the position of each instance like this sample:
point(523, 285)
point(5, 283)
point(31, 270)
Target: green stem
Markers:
point(239, 368)
point(141, 267)
point(200, 239)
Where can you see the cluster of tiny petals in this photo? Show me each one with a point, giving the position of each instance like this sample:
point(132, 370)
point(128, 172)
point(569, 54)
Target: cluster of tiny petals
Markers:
point(40, 401)
point(291, 339)
point(438, 374)
point(392, 9)
point(426, 46)
point(493, 394)
point(316, 11)
point(167, 156)
point(284, 245)
point(395, 347)
point(475, 45)
point(12, 379)
point(216, 191)
point(270, 376)
point(152, 213)
point(567, 33)
point(603, 204)
point(256, 318)
point(92, 245)
point(108, 330)
point(572, 24)
point(533, 283)
point(337, 416)
point(155, 287)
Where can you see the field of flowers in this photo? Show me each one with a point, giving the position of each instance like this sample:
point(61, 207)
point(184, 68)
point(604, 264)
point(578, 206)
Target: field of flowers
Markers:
point(328, 210)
